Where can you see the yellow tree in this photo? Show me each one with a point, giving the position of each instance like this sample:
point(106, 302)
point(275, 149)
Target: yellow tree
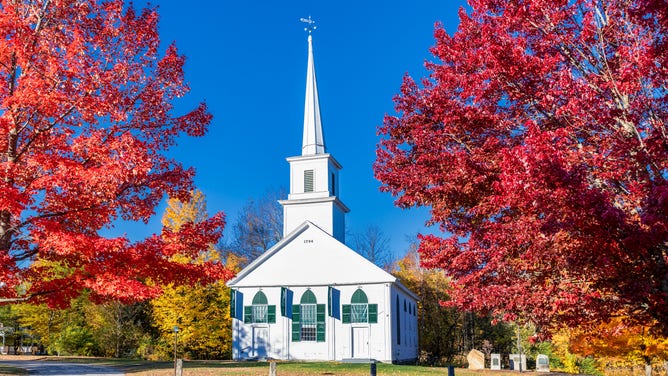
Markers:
point(179, 213)
point(44, 322)
point(201, 313)
point(619, 344)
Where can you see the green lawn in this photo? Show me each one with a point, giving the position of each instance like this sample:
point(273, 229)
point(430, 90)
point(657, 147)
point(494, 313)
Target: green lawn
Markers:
point(216, 368)
point(224, 368)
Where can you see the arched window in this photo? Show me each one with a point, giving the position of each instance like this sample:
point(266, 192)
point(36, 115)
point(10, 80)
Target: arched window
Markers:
point(260, 307)
point(260, 311)
point(260, 298)
point(308, 309)
point(359, 307)
point(308, 319)
point(359, 310)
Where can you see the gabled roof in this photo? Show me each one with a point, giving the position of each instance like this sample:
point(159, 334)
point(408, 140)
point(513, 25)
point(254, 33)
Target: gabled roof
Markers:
point(308, 256)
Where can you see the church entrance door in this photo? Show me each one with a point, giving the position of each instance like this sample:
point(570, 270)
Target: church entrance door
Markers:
point(260, 341)
point(360, 342)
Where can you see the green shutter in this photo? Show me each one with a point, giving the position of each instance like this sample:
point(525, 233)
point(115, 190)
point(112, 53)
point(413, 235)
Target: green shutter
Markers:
point(373, 313)
point(345, 316)
point(233, 303)
point(248, 314)
point(296, 325)
point(320, 326)
point(320, 313)
point(271, 313)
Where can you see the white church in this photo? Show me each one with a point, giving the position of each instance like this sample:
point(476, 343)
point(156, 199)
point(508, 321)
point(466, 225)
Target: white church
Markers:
point(310, 297)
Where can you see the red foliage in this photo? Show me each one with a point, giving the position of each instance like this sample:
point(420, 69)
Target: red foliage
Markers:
point(85, 118)
point(539, 142)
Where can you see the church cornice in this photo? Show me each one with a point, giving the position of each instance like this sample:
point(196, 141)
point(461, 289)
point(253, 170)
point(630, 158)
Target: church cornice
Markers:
point(315, 157)
point(316, 200)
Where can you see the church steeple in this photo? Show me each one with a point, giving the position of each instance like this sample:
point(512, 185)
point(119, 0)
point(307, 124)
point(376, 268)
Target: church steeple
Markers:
point(314, 175)
point(313, 141)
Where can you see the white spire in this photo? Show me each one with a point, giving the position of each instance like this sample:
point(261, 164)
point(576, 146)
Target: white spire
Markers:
point(314, 140)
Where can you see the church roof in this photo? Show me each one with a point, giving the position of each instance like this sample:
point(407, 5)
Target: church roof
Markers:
point(309, 256)
point(313, 141)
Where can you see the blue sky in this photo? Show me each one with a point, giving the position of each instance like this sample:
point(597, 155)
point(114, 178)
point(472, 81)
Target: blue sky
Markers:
point(247, 60)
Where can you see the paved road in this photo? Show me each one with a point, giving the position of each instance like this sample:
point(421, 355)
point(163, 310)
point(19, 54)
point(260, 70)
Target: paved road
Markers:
point(62, 369)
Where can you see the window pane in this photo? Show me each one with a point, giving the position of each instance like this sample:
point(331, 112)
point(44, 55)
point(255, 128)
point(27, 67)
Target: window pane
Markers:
point(259, 313)
point(308, 333)
point(358, 312)
point(309, 313)
point(308, 317)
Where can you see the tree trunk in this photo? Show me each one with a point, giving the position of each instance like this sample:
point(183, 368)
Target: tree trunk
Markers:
point(14, 300)
point(648, 366)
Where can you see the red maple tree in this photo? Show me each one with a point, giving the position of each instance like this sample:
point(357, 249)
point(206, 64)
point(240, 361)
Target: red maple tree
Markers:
point(85, 118)
point(539, 143)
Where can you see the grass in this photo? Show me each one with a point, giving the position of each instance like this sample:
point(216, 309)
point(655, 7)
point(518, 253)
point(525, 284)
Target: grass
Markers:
point(225, 368)
point(4, 370)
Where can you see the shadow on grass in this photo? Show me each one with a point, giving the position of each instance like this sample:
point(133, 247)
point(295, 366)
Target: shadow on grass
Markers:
point(141, 366)
point(6, 370)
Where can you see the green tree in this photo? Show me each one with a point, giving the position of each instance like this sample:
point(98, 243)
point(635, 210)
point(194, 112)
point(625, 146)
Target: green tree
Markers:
point(76, 337)
point(119, 328)
point(111, 329)
point(10, 324)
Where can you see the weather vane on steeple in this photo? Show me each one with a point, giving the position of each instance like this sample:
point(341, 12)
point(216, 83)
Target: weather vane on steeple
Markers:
point(310, 24)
